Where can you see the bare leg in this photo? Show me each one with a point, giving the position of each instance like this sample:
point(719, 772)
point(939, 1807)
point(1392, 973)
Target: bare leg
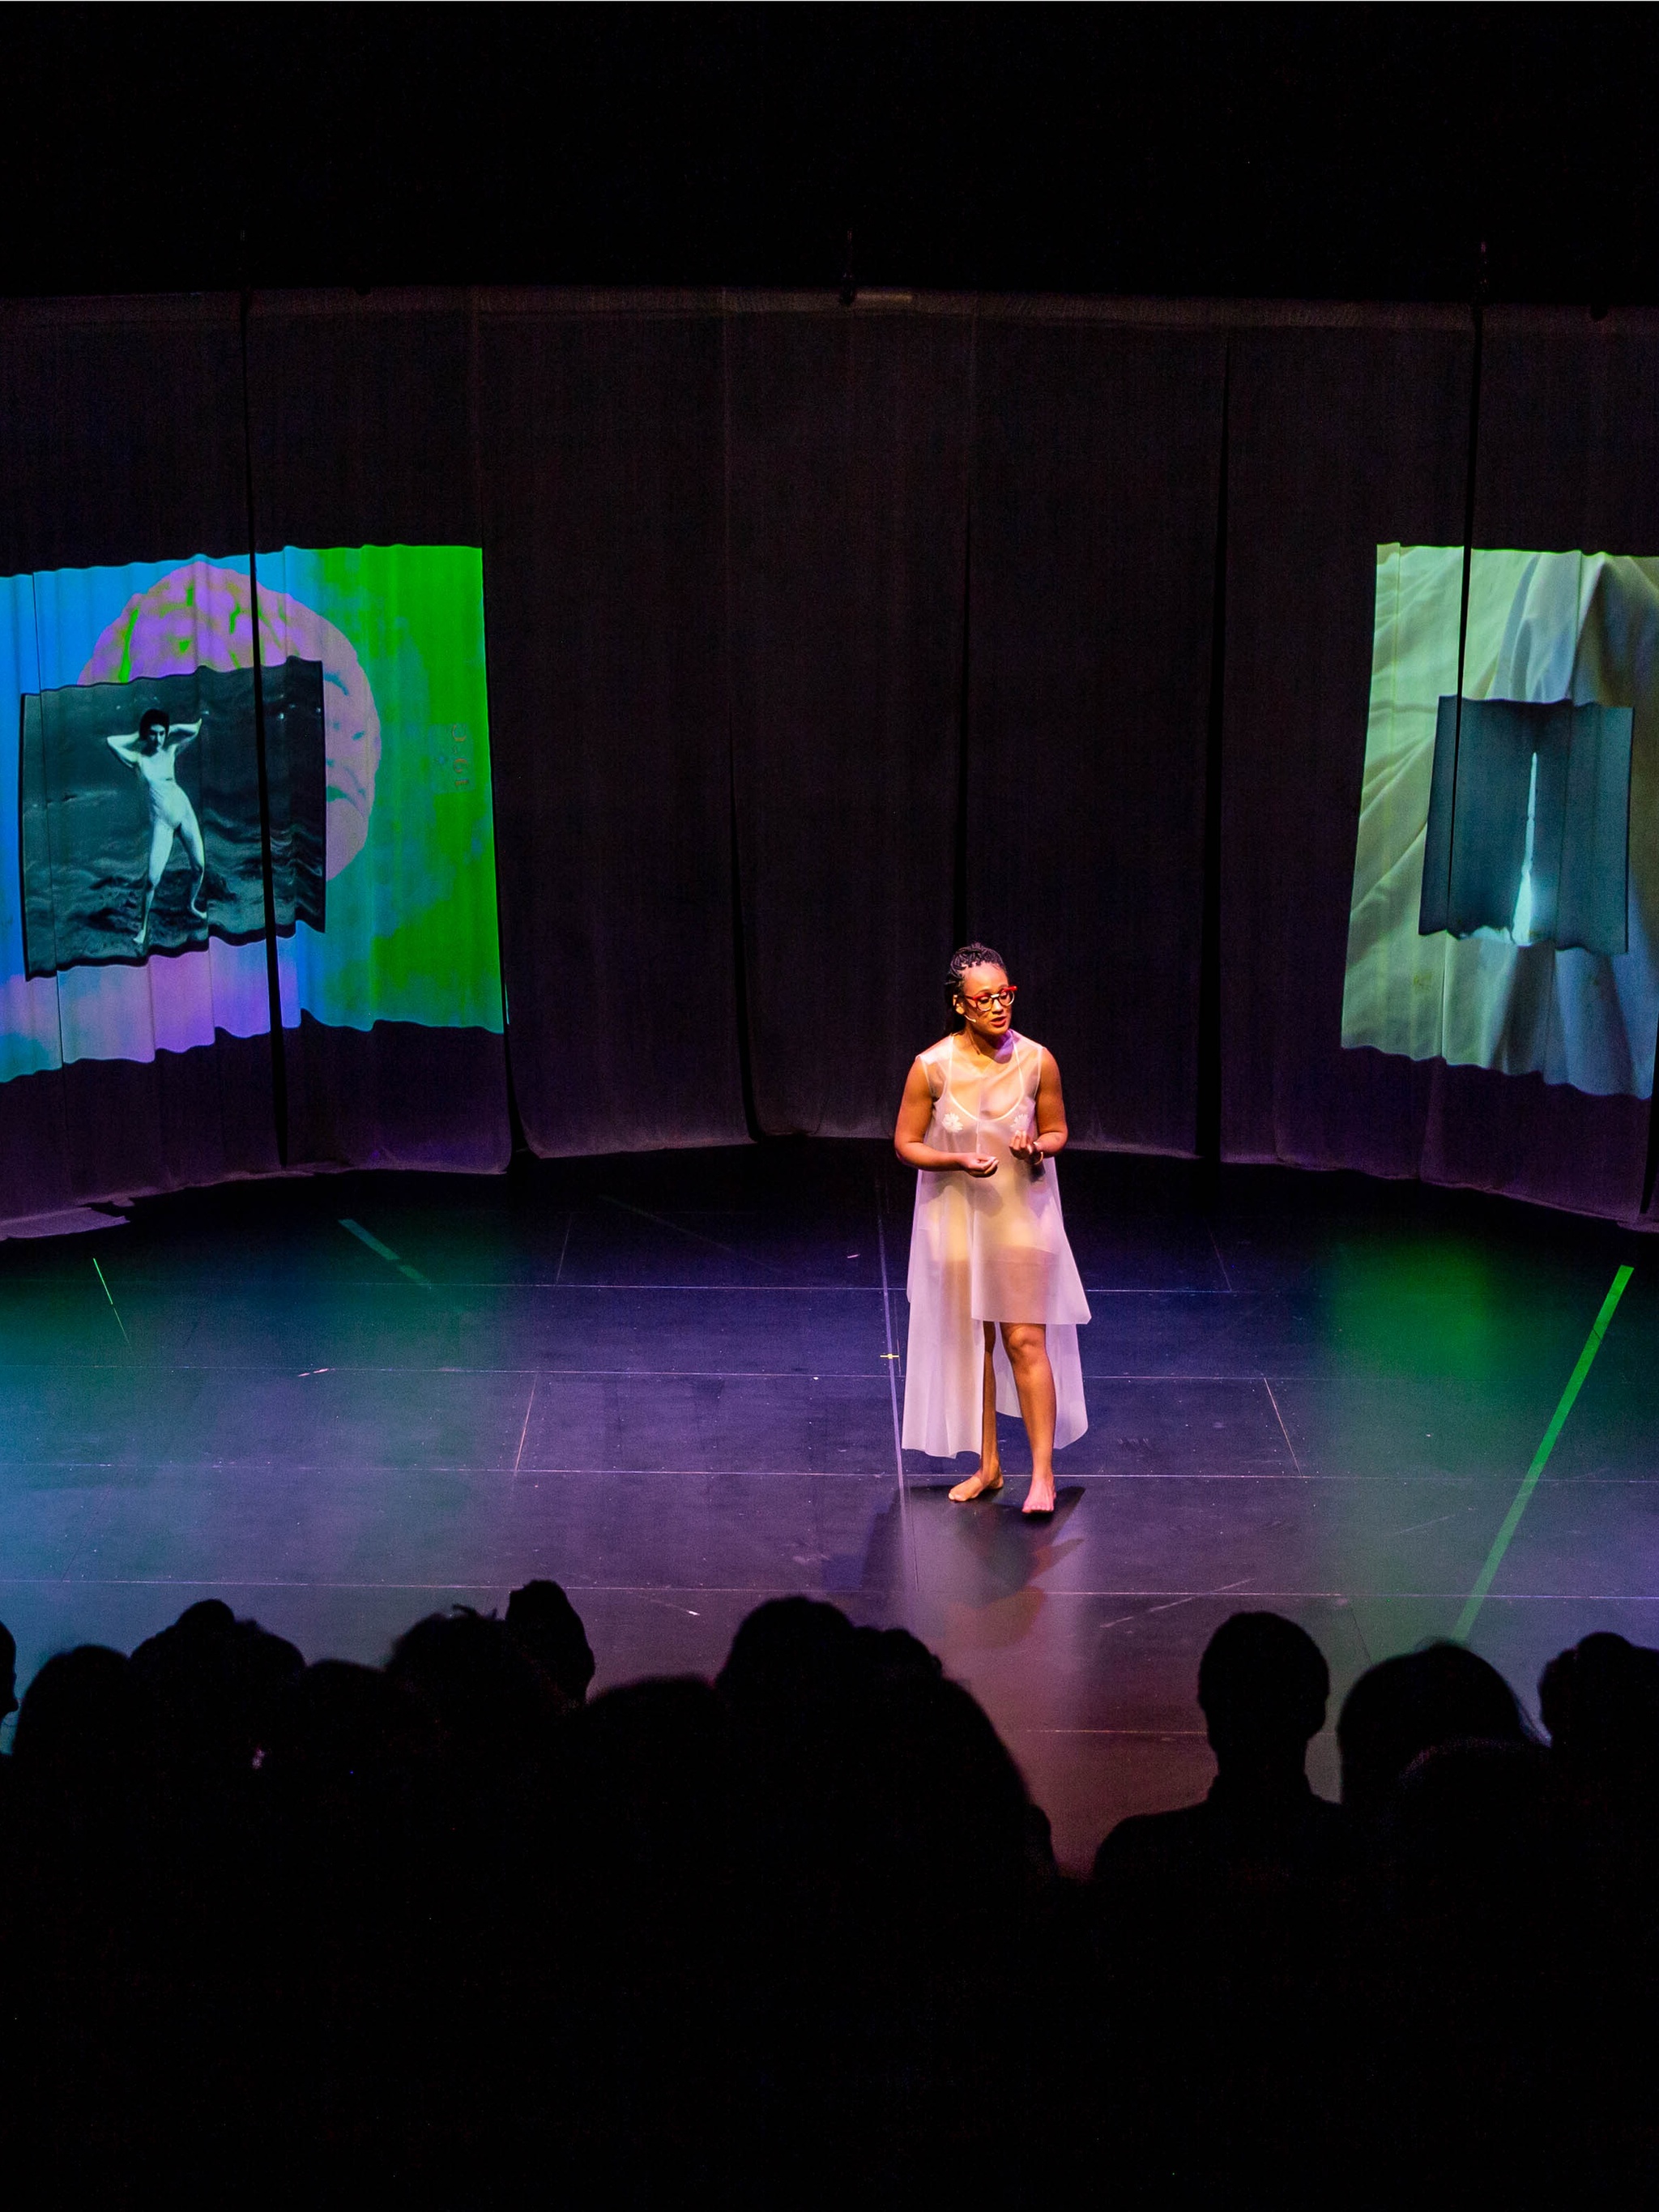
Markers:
point(160, 851)
point(989, 1474)
point(1027, 1346)
point(191, 830)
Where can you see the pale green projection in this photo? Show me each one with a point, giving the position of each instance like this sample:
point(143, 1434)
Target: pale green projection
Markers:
point(1572, 630)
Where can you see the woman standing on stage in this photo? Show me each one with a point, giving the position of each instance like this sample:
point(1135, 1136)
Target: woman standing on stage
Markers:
point(982, 1118)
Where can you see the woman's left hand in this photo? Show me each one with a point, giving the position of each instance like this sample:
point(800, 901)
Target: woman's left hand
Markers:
point(1024, 1146)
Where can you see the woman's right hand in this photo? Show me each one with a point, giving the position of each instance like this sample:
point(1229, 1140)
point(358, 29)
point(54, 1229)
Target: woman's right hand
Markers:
point(978, 1164)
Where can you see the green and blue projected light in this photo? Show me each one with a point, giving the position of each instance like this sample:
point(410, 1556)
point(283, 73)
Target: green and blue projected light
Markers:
point(131, 903)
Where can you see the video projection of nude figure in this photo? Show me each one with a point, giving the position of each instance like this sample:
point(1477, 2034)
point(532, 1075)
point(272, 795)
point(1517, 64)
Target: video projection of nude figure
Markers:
point(140, 814)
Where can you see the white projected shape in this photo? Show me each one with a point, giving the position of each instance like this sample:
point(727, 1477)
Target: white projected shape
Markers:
point(1521, 929)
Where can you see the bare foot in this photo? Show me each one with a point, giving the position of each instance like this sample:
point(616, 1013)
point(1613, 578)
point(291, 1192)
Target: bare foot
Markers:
point(1040, 1498)
point(982, 1485)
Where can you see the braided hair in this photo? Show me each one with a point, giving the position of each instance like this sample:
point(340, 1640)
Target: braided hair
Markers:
point(967, 956)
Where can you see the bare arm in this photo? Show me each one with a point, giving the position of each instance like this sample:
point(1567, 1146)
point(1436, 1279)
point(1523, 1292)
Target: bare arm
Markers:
point(916, 1111)
point(180, 733)
point(1050, 1134)
point(123, 746)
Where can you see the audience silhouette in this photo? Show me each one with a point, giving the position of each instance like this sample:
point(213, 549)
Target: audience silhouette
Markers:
point(1216, 1934)
point(796, 1935)
point(549, 1628)
point(1441, 1693)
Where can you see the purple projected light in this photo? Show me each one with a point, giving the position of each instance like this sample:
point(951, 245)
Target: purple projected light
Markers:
point(198, 617)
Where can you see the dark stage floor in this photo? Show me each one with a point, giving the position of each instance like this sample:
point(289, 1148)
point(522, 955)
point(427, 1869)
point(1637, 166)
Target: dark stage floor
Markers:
point(669, 1381)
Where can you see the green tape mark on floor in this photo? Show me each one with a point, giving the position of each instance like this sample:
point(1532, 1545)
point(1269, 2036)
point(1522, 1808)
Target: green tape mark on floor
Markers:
point(367, 1237)
point(113, 1308)
point(1483, 1581)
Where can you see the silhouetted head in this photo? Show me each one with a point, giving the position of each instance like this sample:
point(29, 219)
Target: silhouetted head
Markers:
point(649, 1767)
point(941, 1788)
point(550, 1629)
point(78, 1726)
point(8, 1672)
point(1599, 1702)
point(492, 1701)
point(211, 1684)
point(790, 1657)
point(1440, 1694)
point(1263, 1685)
point(208, 1616)
point(152, 736)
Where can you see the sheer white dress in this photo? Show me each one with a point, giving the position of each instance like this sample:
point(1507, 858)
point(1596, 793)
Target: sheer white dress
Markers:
point(991, 1248)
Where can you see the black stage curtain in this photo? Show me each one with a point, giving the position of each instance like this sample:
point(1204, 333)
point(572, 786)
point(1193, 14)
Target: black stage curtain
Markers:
point(1095, 502)
point(848, 461)
point(1340, 440)
point(603, 466)
point(121, 440)
point(818, 634)
point(362, 428)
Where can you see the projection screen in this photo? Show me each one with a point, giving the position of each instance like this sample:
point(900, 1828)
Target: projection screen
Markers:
point(1505, 902)
point(132, 911)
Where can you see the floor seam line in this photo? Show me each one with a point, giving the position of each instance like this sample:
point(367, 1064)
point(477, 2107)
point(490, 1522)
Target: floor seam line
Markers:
point(1283, 1430)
